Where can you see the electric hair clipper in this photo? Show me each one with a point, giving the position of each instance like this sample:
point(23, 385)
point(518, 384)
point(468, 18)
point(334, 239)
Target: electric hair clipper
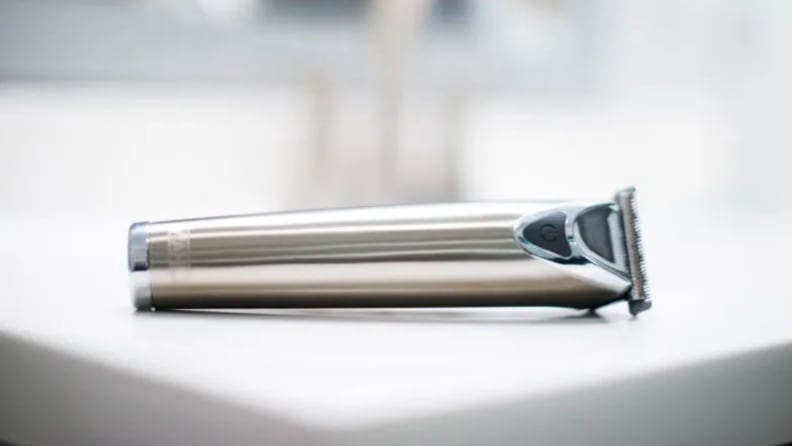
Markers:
point(567, 254)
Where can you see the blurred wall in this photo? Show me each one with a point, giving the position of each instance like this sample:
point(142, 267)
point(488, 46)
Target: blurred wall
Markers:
point(165, 108)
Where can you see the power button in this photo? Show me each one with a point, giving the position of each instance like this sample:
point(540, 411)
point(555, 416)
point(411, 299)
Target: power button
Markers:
point(549, 233)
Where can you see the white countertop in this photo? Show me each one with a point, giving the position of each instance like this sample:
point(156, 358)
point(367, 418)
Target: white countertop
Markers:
point(718, 283)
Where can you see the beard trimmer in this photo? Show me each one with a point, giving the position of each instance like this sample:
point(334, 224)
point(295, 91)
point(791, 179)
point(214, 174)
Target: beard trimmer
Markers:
point(564, 254)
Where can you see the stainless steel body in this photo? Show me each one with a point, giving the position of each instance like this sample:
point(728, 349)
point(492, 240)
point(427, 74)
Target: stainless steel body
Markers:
point(464, 254)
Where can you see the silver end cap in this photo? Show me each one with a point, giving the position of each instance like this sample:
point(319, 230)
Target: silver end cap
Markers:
point(138, 263)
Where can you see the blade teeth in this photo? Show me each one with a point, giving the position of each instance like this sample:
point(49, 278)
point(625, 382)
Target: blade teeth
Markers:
point(639, 263)
point(635, 251)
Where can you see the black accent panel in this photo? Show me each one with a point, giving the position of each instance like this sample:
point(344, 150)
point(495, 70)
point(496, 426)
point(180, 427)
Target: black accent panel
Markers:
point(549, 233)
point(595, 232)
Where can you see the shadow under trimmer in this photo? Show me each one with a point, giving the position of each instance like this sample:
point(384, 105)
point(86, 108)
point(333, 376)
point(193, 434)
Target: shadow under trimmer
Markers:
point(563, 254)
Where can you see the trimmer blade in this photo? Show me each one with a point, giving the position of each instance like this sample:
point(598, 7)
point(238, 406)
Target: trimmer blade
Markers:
point(639, 295)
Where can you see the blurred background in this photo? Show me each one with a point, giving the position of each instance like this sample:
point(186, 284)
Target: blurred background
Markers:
point(175, 108)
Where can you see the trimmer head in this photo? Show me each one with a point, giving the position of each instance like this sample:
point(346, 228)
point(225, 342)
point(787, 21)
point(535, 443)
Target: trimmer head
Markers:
point(639, 299)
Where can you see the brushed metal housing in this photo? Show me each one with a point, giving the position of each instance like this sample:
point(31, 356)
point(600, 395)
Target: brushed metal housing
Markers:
point(462, 254)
